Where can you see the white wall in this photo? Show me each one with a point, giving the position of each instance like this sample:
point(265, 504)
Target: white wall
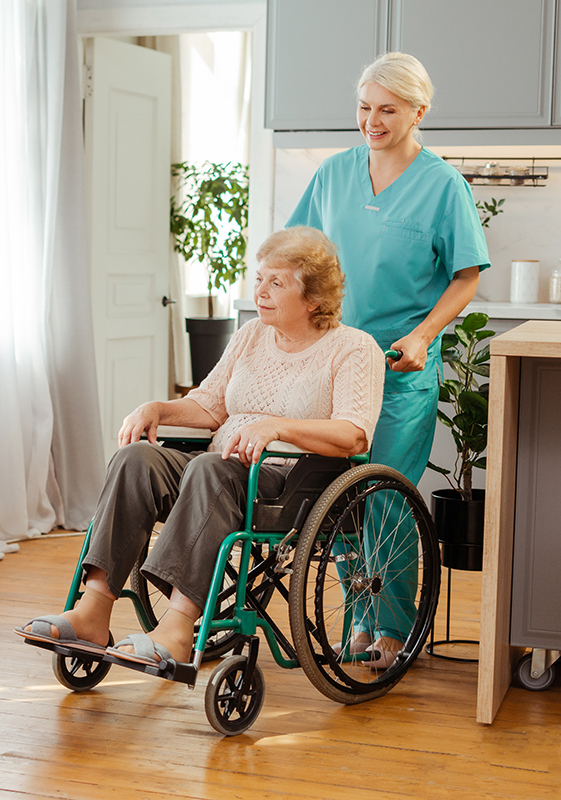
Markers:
point(529, 228)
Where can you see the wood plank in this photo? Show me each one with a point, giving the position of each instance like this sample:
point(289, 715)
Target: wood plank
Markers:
point(137, 737)
point(496, 655)
point(535, 338)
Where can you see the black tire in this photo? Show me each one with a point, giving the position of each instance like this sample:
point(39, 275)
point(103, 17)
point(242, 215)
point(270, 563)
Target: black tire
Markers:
point(218, 642)
point(525, 679)
point(80, 673)
point(318, 597)
point(227, 711)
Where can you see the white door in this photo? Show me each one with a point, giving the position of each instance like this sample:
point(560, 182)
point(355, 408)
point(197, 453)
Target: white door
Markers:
point(127, 121)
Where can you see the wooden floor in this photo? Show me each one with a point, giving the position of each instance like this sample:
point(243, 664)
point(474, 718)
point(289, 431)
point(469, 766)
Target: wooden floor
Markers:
point(141, 737)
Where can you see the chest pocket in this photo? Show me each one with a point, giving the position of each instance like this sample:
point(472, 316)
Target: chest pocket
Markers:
point(403, 230)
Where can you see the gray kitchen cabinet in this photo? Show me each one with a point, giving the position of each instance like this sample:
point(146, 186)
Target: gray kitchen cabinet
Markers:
point(491, 61)
point(557, 75)
point(316, 50)
point(536, 577)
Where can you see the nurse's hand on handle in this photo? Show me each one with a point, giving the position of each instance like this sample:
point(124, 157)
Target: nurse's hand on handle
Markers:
point(414, 348)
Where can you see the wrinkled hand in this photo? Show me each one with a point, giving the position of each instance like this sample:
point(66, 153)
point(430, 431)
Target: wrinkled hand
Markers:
point(144, 418)
point(414, 349)
point(250, 441)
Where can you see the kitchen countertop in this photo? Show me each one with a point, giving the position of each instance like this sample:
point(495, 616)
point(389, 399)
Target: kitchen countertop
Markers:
point(536, 338)
point(494, 310)
point(514, 310)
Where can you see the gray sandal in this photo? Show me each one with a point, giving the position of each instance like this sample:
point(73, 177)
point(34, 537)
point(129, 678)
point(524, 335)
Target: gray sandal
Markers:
point(41, 632)
point(145, 651)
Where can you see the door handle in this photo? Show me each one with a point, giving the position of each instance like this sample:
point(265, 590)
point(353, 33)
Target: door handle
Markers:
point(166, 301)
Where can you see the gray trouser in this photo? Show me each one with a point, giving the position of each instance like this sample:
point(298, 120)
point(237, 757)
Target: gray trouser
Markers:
point(201, 499)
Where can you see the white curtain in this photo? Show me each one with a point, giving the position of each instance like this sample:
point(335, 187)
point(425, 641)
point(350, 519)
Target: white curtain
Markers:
point(51, 463)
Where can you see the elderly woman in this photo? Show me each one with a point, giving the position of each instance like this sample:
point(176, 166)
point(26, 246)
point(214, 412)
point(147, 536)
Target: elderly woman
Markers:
point(295, 374)
point(411, 246)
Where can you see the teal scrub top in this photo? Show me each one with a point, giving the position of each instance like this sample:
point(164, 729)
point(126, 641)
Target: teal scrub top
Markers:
point(399, 249)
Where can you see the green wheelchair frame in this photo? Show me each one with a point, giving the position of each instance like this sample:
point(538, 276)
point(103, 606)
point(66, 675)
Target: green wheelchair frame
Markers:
point(327, 529)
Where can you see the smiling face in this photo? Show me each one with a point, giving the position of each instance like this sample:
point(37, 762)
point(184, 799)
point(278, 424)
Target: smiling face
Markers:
point(385, 120)
point(278, 297)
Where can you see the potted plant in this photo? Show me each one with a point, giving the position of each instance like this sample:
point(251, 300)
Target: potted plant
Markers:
point(209, 217)
point(458, 512)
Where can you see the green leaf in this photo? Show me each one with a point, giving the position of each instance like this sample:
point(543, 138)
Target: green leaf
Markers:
point(481, 463)
point(474, 321)
point(450, 357)
point(444, 419)
point(482, 355)
point(486, 334)
point(442, 471)
point(462, 335)
point(479, 369)
point(448, 340)
point(472, 400)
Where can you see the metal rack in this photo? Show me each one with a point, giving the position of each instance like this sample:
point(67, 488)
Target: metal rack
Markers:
point(480, 174)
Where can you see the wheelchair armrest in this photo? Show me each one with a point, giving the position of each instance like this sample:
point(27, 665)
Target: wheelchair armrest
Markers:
point(170, 432)
point(278, 446)
point(183, 438)
point(286, 448)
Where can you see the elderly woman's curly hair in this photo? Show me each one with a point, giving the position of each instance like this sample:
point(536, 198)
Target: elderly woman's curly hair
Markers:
point(313, 257)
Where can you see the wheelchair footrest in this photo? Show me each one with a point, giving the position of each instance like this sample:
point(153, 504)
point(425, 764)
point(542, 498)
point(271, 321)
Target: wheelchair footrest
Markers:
point(170, 670)
point(67, 650)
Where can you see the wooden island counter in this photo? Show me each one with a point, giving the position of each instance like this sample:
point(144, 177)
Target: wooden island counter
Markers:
point(497, 658)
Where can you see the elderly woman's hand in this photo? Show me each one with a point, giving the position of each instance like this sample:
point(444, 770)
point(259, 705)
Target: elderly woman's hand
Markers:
point(144, 418)
point(250, 441)
point(414, 348)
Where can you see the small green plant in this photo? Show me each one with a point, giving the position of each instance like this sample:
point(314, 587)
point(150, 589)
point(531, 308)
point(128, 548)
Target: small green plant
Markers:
point(488, 210)
point(209, 220)
point(463, 351)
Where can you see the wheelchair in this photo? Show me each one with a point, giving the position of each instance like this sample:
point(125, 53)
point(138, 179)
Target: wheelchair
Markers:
point(311, 538)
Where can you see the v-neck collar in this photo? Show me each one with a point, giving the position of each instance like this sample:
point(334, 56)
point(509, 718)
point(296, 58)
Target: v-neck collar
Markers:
point(369, 196)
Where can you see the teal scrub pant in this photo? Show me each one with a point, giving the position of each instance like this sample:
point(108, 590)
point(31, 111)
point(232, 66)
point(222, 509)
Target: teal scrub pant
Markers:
point(402, 440)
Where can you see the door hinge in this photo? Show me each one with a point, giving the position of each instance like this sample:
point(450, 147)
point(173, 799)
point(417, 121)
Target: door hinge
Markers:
point(87, 81)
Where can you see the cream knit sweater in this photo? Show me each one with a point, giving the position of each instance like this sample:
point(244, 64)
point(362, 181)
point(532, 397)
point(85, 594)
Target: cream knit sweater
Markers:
point(341, 376)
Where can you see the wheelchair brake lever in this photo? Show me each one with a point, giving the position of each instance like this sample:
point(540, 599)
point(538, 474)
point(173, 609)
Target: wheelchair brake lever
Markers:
point(283, 548)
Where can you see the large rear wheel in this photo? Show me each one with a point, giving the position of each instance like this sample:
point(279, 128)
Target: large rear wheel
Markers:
point(367, 560)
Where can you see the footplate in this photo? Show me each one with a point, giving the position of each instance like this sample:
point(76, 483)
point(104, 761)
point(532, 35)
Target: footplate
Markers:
point(169, 670)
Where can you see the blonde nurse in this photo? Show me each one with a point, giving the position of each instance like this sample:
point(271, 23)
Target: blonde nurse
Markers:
point(412, 246)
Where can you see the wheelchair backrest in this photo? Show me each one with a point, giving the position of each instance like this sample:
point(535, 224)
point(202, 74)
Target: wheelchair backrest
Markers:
point(309, 477)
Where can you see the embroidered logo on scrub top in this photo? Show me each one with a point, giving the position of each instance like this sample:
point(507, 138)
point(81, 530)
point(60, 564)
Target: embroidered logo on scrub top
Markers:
point(372, 208)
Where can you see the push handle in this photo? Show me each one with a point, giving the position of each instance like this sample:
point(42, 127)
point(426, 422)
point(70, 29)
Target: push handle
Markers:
point(393, 354)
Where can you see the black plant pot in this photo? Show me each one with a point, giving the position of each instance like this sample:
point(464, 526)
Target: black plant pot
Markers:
point(208, 338)
point(459, 527)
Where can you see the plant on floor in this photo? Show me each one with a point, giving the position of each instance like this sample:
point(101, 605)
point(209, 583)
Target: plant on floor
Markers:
point(209, 217)
point(468, 398)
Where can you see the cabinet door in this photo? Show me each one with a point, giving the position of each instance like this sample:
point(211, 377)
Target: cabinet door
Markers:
point(557, 73)
point(536, 588)
point(491, 61)
point(316, 51)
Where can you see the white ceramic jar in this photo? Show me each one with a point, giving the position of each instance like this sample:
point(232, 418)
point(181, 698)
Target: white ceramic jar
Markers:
point(524, 281)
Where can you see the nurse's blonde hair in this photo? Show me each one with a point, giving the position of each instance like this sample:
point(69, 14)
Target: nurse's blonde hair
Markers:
point(313, 257)
point(402, 74)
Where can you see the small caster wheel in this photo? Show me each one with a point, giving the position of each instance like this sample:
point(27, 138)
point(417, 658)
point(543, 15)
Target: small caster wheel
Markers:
point(525, 679)
point(227, 710)
point(80, 673)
